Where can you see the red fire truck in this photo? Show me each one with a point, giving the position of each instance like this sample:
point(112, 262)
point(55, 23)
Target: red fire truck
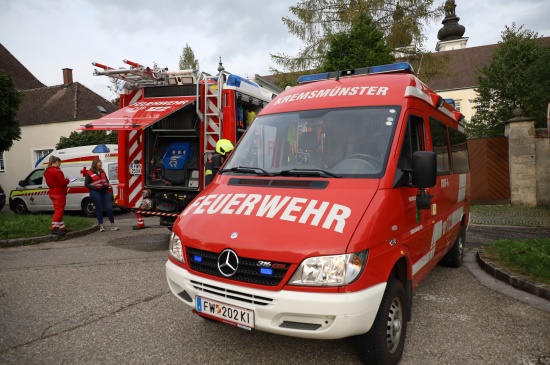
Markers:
point(168, 124)
point(341, 197)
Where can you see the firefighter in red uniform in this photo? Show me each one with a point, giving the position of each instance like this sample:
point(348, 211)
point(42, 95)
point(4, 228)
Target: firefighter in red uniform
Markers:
point(224, 147)
point(57, 182)
point(96, 180)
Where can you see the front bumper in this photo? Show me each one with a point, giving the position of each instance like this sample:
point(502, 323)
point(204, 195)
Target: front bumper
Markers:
point(290, 313)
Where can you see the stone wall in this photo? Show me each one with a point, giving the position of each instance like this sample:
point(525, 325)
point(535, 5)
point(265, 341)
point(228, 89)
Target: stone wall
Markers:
point(529, 158)
point(543, 166)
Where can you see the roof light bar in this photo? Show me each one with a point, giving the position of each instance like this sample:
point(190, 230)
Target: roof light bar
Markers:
point(451, 102)
point(234, 80)
point(404, 67)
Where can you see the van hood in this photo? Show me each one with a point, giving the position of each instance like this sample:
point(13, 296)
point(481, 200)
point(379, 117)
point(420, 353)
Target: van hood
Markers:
point(298, 218)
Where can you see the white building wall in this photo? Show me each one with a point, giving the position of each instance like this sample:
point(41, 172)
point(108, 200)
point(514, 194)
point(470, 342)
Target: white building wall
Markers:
point(19, 160)
point(465, 96)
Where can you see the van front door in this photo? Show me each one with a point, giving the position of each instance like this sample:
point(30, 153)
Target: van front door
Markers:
point(417, 224)
point(35, 191)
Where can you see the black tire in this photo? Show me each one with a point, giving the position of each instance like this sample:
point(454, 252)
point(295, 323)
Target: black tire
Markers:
point(455, 256)
point(385, 341)
point(88, 208)
point(19, 207)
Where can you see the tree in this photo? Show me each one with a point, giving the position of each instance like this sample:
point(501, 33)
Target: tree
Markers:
point(318, 21)
point(10, 100)
point(362, 46)
point(188, 60)
point(86, 138)
point(516, 77)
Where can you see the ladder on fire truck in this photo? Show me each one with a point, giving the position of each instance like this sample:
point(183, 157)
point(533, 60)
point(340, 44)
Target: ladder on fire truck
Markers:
point(212, 117)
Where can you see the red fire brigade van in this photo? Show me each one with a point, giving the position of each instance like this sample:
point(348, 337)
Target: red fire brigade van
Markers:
point(340, 198)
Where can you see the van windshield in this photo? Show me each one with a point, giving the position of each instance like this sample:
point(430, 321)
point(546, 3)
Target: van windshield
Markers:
point(343, 142)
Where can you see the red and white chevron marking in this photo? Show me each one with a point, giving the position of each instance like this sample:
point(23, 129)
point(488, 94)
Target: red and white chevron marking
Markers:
point(135, 185)
point(160, 214)
point(213, 124)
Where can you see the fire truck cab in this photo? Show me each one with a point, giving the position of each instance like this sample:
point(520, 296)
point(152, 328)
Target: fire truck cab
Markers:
point(168, 124)
point(340, 198)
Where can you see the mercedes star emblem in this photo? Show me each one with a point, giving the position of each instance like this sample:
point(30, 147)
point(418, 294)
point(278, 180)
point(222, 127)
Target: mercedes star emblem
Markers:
point(228, 262)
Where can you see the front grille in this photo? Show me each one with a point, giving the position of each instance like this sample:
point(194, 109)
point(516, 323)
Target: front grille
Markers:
point(248, 270)
point(231, 294)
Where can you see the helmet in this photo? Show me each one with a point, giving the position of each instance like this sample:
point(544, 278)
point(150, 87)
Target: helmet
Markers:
point(224, 146)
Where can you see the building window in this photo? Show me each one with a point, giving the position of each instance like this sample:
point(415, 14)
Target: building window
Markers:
point(457, 105)
point(40, 154)
point(2, 167)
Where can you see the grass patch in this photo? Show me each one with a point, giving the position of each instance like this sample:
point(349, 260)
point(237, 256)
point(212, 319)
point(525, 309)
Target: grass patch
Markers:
point(35, 225)
point(530, 258)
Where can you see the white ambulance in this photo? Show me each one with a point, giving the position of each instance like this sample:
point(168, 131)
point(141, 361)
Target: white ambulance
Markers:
point(31, 195)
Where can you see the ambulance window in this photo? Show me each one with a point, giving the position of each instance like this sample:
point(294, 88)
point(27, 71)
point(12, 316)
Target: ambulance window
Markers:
point(459, 150)
point(113, 171)
point(35, 178)
point(413, 141)
point(440, 146)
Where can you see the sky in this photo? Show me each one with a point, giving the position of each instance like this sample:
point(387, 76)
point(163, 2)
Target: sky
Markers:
point(49, 35)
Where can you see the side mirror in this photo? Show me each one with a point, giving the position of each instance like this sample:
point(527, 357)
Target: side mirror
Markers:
point(22, 183)
point(424, 176)
point(424, 166)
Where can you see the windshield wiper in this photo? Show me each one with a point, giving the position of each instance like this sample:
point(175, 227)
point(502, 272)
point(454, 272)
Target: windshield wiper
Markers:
point(247, 170)
point(307, 172)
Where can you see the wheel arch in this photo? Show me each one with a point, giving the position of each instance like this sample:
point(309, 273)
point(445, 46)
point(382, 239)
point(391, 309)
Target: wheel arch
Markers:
point(402, 271)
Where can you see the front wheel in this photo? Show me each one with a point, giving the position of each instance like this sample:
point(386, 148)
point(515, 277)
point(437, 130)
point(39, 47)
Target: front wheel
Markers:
point(88, 207)
point(19, 207)
point(384, 342)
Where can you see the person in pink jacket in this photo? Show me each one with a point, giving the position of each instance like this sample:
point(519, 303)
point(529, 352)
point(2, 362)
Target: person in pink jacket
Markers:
point(57, 183)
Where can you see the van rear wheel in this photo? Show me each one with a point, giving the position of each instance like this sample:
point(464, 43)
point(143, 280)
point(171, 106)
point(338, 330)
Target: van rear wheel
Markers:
point(455, 256)
point(385, 341)
point(19, 207)
point(88, 207)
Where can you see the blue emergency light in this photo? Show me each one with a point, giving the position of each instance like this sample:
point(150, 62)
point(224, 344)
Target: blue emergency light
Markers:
point(234, 80)
point(266, 271)
point(404, 67)
point(101, 148)
point(450, 102)
point(197, 258)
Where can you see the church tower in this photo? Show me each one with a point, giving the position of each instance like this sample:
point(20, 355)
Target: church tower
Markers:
point(451, 34)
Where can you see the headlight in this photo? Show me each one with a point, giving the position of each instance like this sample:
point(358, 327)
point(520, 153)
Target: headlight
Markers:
point(175, 248)
point(330, 270)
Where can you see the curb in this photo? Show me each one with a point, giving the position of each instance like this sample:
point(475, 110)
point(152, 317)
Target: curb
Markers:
point(35, 240)
point(518, 282)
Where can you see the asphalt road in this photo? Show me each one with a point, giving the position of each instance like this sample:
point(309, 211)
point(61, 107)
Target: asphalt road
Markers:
point(104, 299)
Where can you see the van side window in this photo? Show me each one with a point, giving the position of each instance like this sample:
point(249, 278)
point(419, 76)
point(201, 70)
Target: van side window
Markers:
point(35, 178)
point(440, 145)
point(459, 151)
point(413, 141)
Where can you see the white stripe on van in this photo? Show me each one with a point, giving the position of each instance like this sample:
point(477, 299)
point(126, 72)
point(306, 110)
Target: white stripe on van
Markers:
point(414, 91)
point(447, 112)
point(456, 218)
point(461, 187)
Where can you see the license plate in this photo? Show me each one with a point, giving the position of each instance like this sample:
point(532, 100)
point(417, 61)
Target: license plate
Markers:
point(225, 312)
point(135, 169)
